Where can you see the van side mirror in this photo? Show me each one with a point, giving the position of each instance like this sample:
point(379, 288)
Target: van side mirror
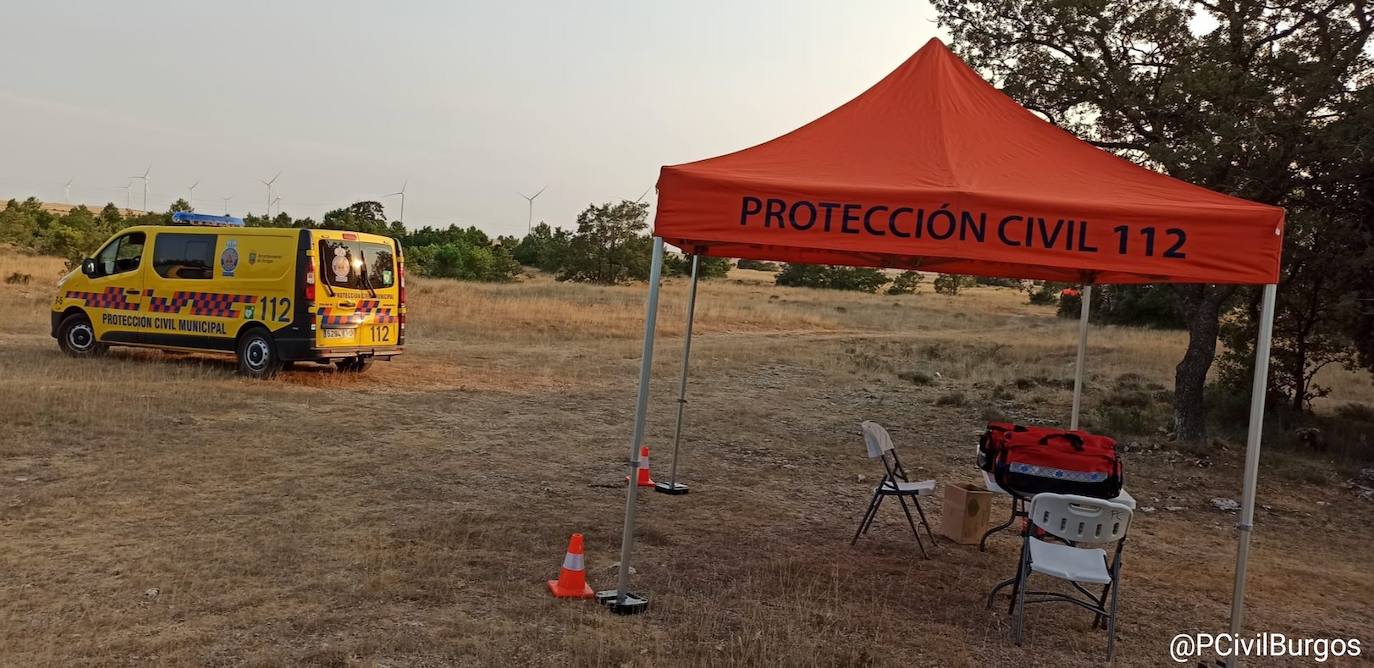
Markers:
point(88, 267)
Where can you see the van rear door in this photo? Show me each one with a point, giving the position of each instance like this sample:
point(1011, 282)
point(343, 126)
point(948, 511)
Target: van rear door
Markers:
point(357, 299)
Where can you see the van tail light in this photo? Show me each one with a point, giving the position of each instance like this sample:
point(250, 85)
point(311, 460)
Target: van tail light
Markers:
point(310, 280)
point(401, 295)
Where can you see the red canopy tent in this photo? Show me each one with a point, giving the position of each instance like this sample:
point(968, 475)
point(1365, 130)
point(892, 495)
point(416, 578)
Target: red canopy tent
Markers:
point(866, 184)
point(934, 169)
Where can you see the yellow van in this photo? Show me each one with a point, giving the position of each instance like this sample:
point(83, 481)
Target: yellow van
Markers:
point(271, 296)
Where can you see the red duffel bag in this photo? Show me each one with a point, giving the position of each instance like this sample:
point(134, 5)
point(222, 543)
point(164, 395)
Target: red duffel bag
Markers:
point(994, 440)
point(1061, 462)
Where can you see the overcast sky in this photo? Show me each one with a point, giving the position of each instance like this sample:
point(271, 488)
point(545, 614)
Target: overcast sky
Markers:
point(472, 102)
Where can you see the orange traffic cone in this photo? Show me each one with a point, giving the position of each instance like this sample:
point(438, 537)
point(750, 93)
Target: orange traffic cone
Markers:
point(572, 578)
point(644, 479)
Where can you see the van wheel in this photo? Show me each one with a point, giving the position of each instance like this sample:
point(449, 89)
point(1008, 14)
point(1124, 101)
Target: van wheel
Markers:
point(76, 337)
point(258, 355)
point(355, 364)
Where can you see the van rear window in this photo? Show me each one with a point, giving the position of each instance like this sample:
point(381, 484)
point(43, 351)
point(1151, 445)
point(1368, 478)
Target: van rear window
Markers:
point(357, 265)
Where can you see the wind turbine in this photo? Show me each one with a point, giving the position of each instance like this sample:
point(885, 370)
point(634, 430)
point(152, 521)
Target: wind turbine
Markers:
point(529, 224)
point(641, 195)
point(126, 188)
point(145, 186)
point(277, 202)
point(226, 204)
point(67, 190)
point(402, 193)
point(192, 202)
point(269, 183)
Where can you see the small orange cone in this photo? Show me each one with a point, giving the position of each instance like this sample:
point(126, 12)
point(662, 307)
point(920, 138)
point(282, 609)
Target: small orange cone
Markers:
point(572, 578)
point(644, 479)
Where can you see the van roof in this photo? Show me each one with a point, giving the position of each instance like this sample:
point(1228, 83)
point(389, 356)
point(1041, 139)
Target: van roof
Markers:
point(211, 229)
point(264, 231)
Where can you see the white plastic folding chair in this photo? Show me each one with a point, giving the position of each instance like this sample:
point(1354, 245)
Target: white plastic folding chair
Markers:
point(894, 483)
point(1078, 521)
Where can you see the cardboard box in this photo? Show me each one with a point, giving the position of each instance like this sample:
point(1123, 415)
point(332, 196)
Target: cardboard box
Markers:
point(966, 512)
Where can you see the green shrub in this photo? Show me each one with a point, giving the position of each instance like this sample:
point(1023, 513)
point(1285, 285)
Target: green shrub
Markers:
point(1356, 412)
point(72, 235)
point(861, 279)
point(1071, 304)
point(419, 259)
point(803, 275)
point(709, 267)
point(950, 284)
point(1045, 293)
point(609, 246)
point(906, 283)
point(757, 265)
point(1131, 305)
point(463, 261)
point(997, 281)
point(544, 247)
point(1119, 422)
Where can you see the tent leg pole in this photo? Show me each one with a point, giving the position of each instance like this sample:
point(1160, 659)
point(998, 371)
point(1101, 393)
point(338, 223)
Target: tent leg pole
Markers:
point(672, 487)
point(1259, 386)
point(619, 600)
point(1082, 355)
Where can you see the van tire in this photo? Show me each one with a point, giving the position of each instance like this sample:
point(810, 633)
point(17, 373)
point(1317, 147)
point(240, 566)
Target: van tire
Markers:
point(76, 337)
point(354, 364)
point(257, 354)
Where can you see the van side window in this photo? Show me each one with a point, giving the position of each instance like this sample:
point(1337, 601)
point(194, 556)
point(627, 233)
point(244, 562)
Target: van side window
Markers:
point(177, 255)
point(121, 255)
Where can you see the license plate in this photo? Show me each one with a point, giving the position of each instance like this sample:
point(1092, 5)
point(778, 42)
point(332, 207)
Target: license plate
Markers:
point(338, 333)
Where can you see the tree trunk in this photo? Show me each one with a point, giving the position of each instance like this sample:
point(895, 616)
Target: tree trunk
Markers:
point(1300, 378)
point(1203, 304)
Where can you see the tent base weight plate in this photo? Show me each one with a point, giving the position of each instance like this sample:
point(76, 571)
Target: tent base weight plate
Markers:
point(671, 488)
point(633, 604)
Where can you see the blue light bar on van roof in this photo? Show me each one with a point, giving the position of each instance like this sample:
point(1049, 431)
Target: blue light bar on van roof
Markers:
point(188, 218)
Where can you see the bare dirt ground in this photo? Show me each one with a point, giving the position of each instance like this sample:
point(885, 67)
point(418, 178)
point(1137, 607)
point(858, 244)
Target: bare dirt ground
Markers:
point(154, 508)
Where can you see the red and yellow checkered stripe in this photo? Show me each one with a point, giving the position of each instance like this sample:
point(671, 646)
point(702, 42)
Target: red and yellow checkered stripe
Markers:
point(215, 304)
point(112, 297)
point(368, 310)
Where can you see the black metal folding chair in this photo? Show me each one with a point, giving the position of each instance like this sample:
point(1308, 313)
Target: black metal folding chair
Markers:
point(1076, 520)
point(894, 483)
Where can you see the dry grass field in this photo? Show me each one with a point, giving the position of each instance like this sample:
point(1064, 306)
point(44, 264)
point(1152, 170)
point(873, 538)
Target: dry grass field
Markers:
point(156, 509)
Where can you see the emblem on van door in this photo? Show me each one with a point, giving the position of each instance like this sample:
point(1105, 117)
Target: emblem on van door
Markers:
point(340, 265)
point(229, 258)
point(252, 257)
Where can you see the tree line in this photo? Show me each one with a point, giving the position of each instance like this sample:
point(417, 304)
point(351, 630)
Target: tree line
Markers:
point(610, 244)
point(1267, 101)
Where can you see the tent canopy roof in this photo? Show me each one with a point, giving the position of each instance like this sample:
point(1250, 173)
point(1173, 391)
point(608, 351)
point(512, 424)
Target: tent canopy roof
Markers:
point(934, 169)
